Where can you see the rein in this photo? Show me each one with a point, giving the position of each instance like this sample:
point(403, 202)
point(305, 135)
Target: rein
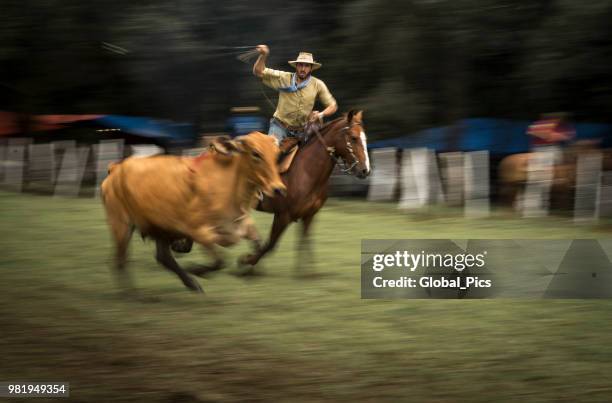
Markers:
point(332, 151)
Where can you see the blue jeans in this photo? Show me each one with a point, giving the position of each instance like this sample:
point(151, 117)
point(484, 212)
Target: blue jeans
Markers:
point(279, 131)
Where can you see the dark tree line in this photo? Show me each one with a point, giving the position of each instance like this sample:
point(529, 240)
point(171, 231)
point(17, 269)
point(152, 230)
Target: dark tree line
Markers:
point(410, 64)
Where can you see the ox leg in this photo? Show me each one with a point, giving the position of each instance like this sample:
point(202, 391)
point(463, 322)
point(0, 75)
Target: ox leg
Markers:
point(164, 256)
point(122, 233)
point(304, 247)
point(183, 245)
point(278, 227)
point(121, 257)
point(253, 235)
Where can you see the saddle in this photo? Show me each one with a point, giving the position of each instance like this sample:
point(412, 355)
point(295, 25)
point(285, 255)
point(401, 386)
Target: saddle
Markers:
point(290, 145)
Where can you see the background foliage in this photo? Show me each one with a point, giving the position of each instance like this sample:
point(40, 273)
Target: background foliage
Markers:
point(411, 64)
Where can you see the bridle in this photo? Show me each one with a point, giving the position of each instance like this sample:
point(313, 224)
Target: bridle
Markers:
point(332, 150)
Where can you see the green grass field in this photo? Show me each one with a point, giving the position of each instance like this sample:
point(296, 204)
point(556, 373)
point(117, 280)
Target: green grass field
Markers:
point(277, 337)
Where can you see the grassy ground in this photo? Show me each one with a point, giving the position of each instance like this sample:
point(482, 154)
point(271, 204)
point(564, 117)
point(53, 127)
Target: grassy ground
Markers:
point(276, 337)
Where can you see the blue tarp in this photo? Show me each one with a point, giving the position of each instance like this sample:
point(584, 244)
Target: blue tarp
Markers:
point(496, 135)
point(500, 136)
point(244, 124)
point(147, 127)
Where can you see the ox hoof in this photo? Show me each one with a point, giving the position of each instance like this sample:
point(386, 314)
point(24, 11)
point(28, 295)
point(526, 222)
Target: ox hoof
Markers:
point(195, 287)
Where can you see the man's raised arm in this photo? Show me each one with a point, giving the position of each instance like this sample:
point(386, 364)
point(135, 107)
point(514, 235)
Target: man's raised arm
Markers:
point(260, 64)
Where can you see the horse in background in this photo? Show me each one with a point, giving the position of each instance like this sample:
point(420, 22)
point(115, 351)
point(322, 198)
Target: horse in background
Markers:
point(514, 172)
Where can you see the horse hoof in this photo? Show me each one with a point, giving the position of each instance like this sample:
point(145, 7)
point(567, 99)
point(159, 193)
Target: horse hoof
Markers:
point(247, 260)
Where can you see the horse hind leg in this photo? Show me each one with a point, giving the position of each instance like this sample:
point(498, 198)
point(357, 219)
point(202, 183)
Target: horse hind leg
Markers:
point(305, 259)
point(165, 258)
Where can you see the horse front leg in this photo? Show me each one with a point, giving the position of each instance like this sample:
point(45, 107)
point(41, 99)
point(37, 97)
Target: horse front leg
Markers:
point(281, 221)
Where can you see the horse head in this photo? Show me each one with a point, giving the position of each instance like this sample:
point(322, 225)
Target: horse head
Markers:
point(351, 145)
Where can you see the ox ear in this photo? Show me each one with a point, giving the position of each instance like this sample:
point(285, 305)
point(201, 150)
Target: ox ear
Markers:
point(234, 146)
point(240, 144)
point(224, 146)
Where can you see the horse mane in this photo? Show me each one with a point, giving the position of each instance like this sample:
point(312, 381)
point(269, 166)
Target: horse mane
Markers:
point(327, 126)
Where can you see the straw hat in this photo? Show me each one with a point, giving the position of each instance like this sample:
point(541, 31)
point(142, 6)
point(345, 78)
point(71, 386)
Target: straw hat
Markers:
point(305, 57)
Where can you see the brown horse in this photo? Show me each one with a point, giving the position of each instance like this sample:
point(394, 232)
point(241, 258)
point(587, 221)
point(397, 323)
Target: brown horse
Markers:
point(342, 140)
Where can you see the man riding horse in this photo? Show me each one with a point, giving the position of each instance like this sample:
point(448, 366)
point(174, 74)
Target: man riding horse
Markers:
point(297, 95)
point(340, 141)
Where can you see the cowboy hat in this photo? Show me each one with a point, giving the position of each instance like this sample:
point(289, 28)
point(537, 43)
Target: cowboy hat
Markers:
point(305, 57)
